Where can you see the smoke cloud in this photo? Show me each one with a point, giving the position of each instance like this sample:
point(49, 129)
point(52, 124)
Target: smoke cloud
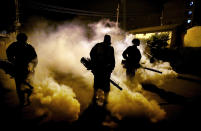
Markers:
point(64, 88)
point(56, 101)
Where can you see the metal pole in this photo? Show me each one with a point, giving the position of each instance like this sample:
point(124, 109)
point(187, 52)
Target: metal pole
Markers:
point(17, 18)
point(162, 13)
point(117, 23)
point(124, 14)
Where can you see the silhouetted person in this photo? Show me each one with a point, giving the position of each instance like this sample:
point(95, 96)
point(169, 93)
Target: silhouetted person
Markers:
point(103, 63)
point(132, 58)
point(24, 59)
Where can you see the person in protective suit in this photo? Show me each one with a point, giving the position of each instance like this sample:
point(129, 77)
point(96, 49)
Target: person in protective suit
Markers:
point(24, 59)
point(103, 63)
point(132, 58)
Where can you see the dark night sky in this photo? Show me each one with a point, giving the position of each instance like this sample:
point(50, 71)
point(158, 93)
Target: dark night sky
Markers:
point(52, 9)
point(134, 7)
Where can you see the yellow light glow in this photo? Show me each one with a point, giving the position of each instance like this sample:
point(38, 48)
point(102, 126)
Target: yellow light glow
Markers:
point(148, 35)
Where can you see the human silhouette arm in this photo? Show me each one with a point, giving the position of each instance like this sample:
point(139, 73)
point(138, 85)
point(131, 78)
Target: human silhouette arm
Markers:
point(10, 52)
point(125, 54)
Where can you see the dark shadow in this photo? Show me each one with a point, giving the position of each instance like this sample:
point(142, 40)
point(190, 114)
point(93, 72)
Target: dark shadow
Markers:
point(170, 97)
point(92, 118)
point(197, 80)
point(184, 60)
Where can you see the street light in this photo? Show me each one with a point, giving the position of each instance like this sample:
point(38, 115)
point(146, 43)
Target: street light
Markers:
point(191, 3)
point(190, 12)
point(189, 21)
